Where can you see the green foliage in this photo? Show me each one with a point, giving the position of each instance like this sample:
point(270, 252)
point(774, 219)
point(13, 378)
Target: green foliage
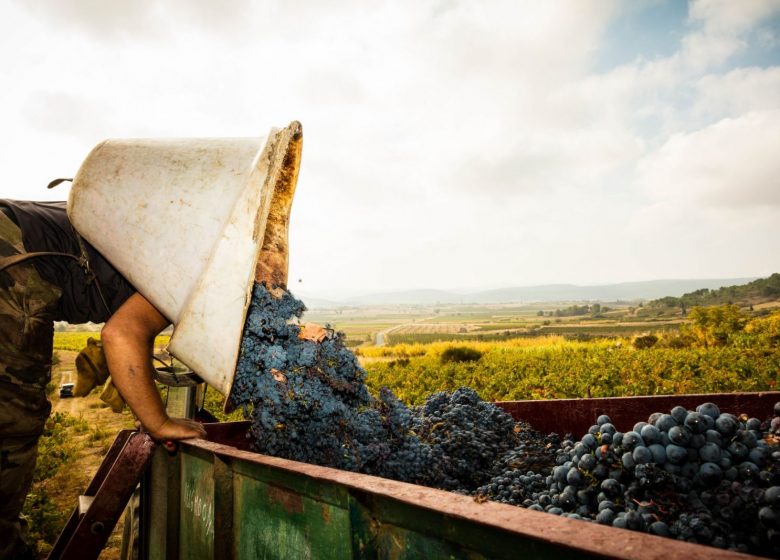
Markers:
point(582, 370)
point(765, 330)
point(55, 446)
point(573, 311)
point(459, 354)
point(722, 352)
point(714, 326)
point(44, 518)
point(427, 338)
point(214, 403)
point(763, 289)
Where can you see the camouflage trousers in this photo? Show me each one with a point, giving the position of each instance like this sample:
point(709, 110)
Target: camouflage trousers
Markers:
point(26, 331)
point(17, 464)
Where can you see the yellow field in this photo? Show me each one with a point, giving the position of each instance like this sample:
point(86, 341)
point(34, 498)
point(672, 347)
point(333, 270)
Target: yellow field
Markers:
point(76, 341)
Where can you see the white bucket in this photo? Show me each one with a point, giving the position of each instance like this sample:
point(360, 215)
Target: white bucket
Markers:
point(184, 221)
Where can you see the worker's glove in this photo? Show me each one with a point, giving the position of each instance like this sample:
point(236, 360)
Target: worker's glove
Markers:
point(91, 368)
point(111, 397)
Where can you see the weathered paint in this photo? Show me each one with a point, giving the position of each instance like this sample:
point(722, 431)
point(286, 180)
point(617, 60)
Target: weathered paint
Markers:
point(196, 535)
point(275, 522)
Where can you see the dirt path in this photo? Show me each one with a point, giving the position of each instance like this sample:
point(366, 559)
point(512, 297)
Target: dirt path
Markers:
point(71, 480)
point(381, 337)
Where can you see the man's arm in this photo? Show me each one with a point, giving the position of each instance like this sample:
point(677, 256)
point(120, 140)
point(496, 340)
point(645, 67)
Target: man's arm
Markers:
point(128, 342)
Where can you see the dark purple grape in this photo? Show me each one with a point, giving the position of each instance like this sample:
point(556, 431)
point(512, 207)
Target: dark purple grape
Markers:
point(710, 452)
point(603, 419)
point(714, 436)
point(769, 517)
point(638, 426)
point(642, 455)
point(650, 434)
point(710, 474)
point(772, 495)
point(589, 441)
point(709, 409)
point(727, 425)
point(653, 418)
point(679, 414)
point(746, 438)
point(605, 517)
point(697, 441)
point(607, 428)
point(758, 455)
point(659, 453)
point(680, 435)
point(748, 470)
point(632, 440)
point(696, 423)
point(574, 477)
point(676, 454)
point(611, 487)
point(587, 462)
point(665, 422)
point(738, 450)
point(659, 528)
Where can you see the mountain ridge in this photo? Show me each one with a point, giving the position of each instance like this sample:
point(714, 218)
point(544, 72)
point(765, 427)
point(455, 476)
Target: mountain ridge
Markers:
point(638, 290)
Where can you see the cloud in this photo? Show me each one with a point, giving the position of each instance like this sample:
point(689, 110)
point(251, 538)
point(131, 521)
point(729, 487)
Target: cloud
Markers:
point(732, 163)
point(112, 21)
point(434, 130)
point(737, 92)
point(723, 26)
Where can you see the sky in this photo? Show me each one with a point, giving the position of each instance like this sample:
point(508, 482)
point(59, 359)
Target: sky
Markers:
point(447, 144)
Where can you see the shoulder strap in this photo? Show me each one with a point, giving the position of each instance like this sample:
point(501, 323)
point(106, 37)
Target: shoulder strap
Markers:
point(6, 262)
point(83, 261)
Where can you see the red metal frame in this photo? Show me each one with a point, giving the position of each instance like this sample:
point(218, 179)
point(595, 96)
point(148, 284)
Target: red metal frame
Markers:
point(84, 536)
point(575, 416)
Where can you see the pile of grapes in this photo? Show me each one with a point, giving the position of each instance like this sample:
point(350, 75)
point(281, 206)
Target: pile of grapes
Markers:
point(701, 476)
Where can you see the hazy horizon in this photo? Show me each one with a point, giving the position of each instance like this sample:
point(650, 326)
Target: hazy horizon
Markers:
point(337, 296)
point(447, 144)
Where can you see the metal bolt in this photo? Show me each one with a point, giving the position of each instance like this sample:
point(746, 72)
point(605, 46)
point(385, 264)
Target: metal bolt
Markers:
point(97, 527)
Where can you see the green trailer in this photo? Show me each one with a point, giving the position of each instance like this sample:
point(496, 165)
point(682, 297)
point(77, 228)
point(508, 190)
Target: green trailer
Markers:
point(215, 499)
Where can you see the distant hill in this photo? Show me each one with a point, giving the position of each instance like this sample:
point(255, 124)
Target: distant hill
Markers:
point(648, 290)
point(757, 291)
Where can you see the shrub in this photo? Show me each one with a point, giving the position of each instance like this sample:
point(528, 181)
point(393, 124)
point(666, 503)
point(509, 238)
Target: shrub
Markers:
point(646, 341)
point(458, 354)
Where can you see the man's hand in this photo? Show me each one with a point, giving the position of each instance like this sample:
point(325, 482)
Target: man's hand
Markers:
point(178, 428)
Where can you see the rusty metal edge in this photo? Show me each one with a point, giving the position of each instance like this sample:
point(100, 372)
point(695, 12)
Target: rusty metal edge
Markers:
point(570, 533)
point(577, 415)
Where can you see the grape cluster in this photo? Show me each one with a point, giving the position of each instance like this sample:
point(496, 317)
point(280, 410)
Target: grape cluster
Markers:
point(304, 398)
point(701, 476)
point(308, 401)
point(697, 475)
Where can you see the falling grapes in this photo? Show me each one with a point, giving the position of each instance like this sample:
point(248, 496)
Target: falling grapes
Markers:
point(702, 476)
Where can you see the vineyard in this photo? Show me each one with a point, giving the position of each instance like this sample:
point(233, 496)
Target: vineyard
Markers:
point(77, 341)
point(725, 356)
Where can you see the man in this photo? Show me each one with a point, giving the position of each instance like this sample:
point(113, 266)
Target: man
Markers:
point(73, 283)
